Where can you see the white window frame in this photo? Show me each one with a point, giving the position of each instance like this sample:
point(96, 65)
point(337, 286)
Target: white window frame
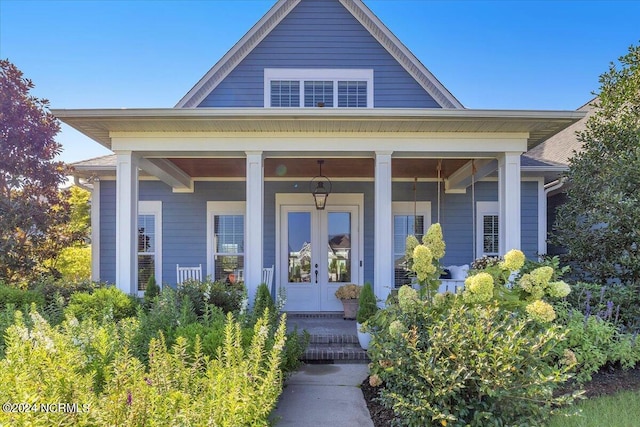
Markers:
point(222, 208)
point(321, 74)
point(153, 208)
point(486, 209)
point(406, 209)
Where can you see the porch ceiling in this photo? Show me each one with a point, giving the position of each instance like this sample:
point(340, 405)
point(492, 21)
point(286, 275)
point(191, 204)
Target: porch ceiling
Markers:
point(101, 124)
point(308, 167)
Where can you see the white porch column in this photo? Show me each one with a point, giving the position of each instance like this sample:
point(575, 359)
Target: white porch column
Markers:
point(127, 222)
point(254, 223)
point(383, 227)
point(509, 183)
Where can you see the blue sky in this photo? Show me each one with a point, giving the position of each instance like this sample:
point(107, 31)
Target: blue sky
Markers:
point(541, 55)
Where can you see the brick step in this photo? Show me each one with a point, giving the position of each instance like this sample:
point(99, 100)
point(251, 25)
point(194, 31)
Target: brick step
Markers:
point(330, 353)
point(333, 339)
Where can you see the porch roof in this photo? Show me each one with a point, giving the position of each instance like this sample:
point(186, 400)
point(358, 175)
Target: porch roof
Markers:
point(99, 124)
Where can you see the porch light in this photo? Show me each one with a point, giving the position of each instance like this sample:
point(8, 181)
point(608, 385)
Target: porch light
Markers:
point(320, 192)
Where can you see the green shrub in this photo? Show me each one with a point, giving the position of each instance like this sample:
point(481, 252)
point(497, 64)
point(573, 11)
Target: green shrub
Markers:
point(52, 288)
point(444, 362)
point(19, 298)
point(367, 305)
point(264, 301)
point(105, 302)
point(238, 387)
point(615, 302)
point(151, 291)
point(44, 365)
point(595, 342)
point(227, 296)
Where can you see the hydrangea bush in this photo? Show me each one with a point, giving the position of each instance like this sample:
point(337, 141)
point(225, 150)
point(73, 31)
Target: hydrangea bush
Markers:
point(489, 355)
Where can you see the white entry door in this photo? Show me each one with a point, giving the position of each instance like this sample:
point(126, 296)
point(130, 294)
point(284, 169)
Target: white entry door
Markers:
point(319, 252)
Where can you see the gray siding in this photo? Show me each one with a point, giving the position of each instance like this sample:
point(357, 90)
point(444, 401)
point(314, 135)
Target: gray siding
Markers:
point(529, 221)
point(184, 219)
point(319, 34)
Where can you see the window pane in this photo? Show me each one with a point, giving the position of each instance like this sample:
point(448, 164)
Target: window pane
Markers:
point(229, 268)
point(490, 234)
point(299, 243)
point(146, 233)
point(352, 94)
point(146, 269)
point(403, 226)
point(228, 234)
point(339, 255)
point(285, 93)
point(318, 93)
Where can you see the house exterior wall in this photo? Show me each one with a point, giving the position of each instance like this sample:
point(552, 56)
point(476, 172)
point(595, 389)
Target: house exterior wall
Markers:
point(184, 219)
point(320, 34)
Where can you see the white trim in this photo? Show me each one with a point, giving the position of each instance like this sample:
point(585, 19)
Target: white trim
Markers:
point(383, 226)
point(146, 207)
point(509, 198)
point(254, 223)
point(483, 209)
point(221, 208)
point(127, 222)
point(335, 200)
point(95, 231)
point(542, 218)
point(307, 74)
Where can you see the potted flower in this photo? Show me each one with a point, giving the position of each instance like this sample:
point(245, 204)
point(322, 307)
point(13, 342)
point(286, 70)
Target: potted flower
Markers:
point(349, 295)
point(367, 307)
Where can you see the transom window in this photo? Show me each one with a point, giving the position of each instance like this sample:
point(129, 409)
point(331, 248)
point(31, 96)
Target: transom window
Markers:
point(328, 88)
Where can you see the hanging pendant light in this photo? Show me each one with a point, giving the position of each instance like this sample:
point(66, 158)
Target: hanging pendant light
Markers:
point(322, 188)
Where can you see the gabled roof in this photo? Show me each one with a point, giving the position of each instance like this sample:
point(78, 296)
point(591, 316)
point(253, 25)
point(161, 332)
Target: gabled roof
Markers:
point(278, 12)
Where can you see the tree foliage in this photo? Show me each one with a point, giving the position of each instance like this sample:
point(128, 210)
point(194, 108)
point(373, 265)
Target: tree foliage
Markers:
point(31, 206)
point(600, 223)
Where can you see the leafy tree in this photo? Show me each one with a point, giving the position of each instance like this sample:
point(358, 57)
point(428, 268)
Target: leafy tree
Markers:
point(600, 223)
point(31, 207)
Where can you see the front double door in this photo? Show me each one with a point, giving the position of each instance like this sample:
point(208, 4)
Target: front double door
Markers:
point(319, 252)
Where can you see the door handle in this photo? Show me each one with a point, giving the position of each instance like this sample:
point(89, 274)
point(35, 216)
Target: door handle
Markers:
point(316, 276)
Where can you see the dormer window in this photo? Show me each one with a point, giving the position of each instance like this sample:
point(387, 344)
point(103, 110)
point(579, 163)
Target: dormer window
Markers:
point(318, 88)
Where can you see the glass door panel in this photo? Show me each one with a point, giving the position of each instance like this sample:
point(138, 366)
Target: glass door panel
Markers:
point(339, 247)
point(299, 247)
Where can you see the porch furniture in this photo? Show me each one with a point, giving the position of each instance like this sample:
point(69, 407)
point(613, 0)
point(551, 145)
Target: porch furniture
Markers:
point(188, 273)
point(267, 278)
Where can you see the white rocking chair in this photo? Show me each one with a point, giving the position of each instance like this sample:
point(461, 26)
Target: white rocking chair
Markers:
point(188, 273)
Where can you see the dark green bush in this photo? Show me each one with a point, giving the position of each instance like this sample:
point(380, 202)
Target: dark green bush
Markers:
point(19, 298)
point(151, 291)
point(224, 295)
point(105, 302)
point(615, 302)
point(263, 301)
point(367, 306)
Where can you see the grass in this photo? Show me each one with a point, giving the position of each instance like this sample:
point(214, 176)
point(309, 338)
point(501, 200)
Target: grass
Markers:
point(620, 410)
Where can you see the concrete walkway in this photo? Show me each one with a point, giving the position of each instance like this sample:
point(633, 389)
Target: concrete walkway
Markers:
point(324, 395)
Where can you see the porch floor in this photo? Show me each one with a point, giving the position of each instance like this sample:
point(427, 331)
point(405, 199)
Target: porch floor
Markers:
point(326, 323)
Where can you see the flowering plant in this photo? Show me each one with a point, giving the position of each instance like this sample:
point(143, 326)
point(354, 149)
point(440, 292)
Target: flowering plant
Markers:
point(350, 291)
point(424, 259)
